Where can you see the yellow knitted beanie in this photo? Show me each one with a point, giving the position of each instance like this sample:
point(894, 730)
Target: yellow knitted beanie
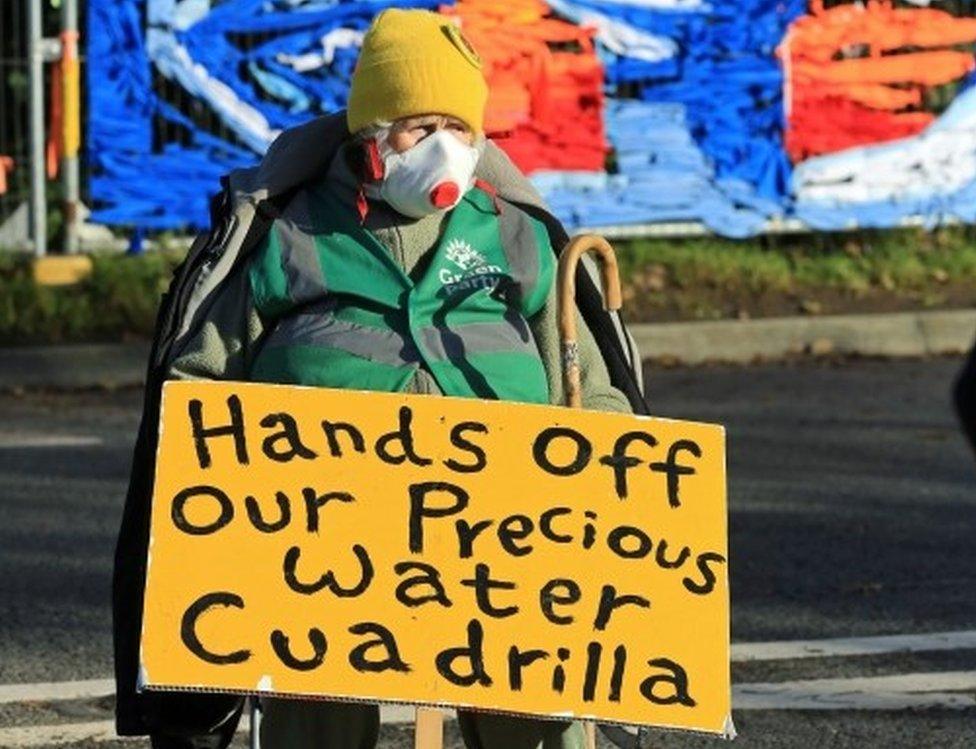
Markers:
point(416, 62)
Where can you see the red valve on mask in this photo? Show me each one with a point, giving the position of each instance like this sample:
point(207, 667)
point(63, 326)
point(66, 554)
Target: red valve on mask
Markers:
point(444, 195)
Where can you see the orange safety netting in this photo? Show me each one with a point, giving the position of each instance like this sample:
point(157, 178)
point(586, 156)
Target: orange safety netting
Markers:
point(546, 103)
point(857, 73)
point(6, 165)
point(54, 146)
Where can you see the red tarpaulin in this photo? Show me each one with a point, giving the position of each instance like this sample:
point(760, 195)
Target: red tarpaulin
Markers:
point(546, 102)
point(857, 73)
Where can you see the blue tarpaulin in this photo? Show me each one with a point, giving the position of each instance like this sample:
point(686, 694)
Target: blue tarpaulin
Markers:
point(694, 114)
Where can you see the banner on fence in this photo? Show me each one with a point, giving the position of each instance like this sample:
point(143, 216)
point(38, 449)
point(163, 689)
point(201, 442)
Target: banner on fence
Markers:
point(517, 558)
point(728, 114)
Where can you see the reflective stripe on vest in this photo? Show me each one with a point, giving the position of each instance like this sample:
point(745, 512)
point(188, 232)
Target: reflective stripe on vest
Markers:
point(348, 316)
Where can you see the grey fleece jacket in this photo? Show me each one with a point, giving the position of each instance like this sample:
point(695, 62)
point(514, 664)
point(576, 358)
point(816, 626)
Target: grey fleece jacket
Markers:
point(234, 330)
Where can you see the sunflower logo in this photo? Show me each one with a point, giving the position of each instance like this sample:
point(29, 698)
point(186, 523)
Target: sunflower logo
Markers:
point(463, 255)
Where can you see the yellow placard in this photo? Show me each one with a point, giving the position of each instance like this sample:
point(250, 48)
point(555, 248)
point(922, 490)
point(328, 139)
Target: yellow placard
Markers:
point(389, 547)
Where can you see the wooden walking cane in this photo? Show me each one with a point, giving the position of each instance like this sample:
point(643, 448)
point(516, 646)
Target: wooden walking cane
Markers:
point(566, 288)
point(566, 280)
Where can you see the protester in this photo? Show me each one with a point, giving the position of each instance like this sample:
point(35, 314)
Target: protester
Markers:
point(394, 269)
point(965, 397)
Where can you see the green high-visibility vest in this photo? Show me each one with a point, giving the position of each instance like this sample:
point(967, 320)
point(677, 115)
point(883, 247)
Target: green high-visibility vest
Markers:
point(346, 315)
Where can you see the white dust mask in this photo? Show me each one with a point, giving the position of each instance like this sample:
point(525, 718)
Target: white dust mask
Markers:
point(431, 176)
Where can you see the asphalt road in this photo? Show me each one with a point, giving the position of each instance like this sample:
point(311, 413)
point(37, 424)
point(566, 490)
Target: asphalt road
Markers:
point(853, 512)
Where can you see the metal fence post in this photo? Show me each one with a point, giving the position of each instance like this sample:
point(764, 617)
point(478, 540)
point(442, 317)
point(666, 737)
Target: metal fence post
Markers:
point(255, 736)
point(38, 201)
point(71, 77)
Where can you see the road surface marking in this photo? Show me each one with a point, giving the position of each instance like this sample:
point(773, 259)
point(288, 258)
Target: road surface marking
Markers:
point(68, 733)
point(51, 691)
point(742, 652)
point(23, 737)
point(952, 689)
point(21, 440)
point(95, 688)
point(789, 650)
point(28, 736)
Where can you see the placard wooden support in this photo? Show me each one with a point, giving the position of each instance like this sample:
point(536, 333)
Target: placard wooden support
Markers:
point(590, 728)
point(428, 729)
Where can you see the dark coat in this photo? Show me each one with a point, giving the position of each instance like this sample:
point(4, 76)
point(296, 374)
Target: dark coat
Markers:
point(964, 395)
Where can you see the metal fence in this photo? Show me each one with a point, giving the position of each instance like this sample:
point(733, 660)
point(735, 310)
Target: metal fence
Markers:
point(40, 119)
point(14, 97)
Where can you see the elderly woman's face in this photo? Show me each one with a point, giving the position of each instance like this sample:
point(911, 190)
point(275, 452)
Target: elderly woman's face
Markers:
point(409, 131)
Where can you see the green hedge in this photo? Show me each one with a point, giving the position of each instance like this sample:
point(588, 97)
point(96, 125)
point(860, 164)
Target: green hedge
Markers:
point(663, 279)
point(117, 302)
point(868, 271)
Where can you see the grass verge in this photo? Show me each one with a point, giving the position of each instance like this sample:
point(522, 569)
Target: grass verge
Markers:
point(691, 279)
point(807, 274)
point(117, 302)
